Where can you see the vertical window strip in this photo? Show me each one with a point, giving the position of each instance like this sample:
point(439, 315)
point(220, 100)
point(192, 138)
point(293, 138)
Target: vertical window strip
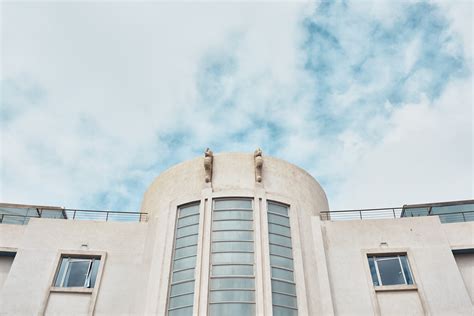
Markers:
point(284, 300)
point(181, 291)
point(232, 279)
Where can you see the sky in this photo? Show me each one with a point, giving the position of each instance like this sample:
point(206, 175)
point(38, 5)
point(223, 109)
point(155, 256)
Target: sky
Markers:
point(372, 98)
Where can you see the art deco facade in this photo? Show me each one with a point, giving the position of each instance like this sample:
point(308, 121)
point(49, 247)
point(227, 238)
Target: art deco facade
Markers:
point(237, 234)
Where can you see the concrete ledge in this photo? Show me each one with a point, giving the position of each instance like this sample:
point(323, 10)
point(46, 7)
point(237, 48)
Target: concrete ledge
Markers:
point(80, 290)
point(401, 287)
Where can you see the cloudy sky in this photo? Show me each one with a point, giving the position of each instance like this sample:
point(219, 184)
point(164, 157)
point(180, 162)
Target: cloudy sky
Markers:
point(373, 98)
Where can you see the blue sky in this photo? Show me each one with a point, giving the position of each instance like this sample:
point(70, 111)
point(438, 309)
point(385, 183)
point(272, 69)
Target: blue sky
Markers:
point(373, 98)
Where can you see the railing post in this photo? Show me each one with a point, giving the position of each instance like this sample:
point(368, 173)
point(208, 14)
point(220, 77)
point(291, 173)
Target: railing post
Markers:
point(107, 216)
point(463, 217)
point(360, 214)
point(74, 215)
point(393, 210)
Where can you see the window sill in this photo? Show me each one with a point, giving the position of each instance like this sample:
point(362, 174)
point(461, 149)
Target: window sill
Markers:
point(398, 287)
point(80, 290)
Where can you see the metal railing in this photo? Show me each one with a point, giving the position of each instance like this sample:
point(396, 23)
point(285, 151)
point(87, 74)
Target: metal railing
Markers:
point(391, 213)
point(369, 213)
point(21, 214)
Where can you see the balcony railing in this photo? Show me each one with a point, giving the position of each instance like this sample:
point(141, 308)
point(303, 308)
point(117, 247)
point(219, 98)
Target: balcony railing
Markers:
point(448, 212)
point(21, 214)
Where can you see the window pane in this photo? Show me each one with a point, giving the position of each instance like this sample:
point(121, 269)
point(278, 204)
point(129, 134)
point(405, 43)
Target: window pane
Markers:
point(188, 210)
point(94, 270)
point(279, 240)
point(275, 208)
point(77, 273)
point(232, 296)
point(226, 204)
point(232, 283)
point(282, 299)
point(187, 311)
point(233, 215)
point(182, 288)
point(232, 246)
point(184, 252)
point(272, 218)
point(186, 241)
point(406, 269)
point(232, 225)
point(183, 275)
point(185, 231)
point(373, 272)
point(182, 300)
point(61, 272)
point(277, 229)
point(282, 251)
point(232, 235)
point(185, 263)
point(231, 309)
point(232, 257)
point(282, 311)
point(188, 220)
point(283, 287)
point(281, 262)
point(390, 271)
point(282, 274)
point(232, 270)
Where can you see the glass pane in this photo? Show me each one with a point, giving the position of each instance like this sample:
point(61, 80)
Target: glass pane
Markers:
point(414, 212)
point(278, 220)
point(282, 274)
point(230, 225)
point(232, 296)
point(279, 250)
point(232, 235)
point(188, 210)
point(232, 246)
point(283, 287)
point(231, 309)
point(60, 275)
point(232, 257)
point(76, 273)
point(280, 240)
point(226, 204)
point(183, 275)
point(185, 252)
point(281, 262)
point(185, 231)
point(390, 271)
point(183, 300)
point(233, 215)
point(406, 269)
point(282, 299)
point(373, 272)
point(276, 208)
point(188, 220)
point(185, 263)
point(277, 229)
point(187, 311)
point(186, 241)
point(232, 270)
point(232, 283)
point(282, 311)
point(182, 288)
point(94, 270)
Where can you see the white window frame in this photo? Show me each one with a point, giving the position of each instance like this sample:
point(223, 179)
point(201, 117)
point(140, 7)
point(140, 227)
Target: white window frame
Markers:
point(71, 259)
point(384, 257)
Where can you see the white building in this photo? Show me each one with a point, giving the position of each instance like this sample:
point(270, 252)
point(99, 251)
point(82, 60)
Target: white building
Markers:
point(237, 234)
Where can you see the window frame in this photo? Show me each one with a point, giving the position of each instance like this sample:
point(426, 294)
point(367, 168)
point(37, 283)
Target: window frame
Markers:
point(78, 254)
point(390, 255)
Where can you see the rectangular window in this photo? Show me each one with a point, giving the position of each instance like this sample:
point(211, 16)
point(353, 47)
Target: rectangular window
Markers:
point(281, 261)
point(390, 269)
point(181, 292)
point(77, 272)
point(232, 284)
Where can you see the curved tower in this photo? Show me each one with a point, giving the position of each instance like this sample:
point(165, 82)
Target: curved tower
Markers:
point(233, 235)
